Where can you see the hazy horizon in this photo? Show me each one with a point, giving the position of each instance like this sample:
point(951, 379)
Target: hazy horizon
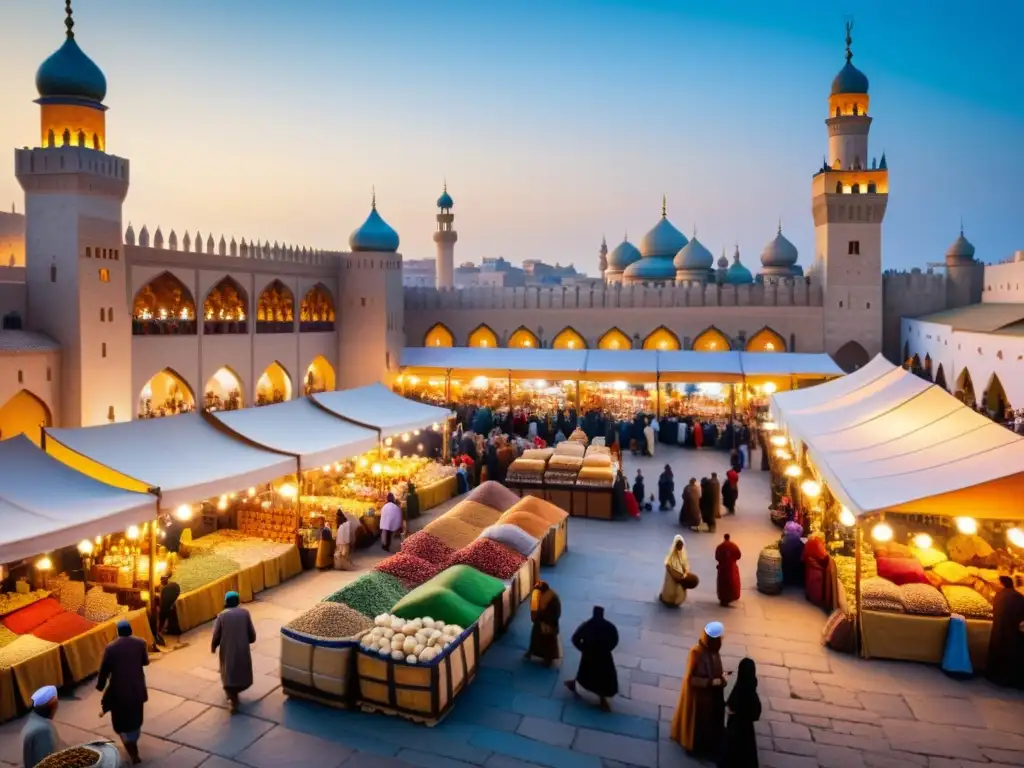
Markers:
point(554, 124)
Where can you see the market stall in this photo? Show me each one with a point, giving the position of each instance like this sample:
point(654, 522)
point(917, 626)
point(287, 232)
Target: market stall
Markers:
point(926, 515)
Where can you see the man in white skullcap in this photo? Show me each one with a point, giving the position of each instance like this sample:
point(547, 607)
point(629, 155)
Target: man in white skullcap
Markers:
point(699, 720)
point(39, 736)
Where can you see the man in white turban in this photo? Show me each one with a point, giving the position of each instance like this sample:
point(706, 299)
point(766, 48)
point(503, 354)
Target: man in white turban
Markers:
point(39, 736)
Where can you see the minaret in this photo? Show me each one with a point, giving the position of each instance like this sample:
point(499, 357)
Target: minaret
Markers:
point(445, 237)
point(75, 270)
point(849, 200)
point(602, 256)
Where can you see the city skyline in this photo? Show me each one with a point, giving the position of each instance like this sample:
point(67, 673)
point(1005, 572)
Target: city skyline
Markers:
point(549, 131)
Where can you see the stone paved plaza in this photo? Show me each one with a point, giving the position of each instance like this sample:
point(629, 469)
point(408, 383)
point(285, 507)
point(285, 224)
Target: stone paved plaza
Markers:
point(820, 708)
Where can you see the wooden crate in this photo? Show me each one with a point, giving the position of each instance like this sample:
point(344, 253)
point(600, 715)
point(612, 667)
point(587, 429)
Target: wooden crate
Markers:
point(560, 497)
point(424, 693)
point(319, 669)
point(555, 543)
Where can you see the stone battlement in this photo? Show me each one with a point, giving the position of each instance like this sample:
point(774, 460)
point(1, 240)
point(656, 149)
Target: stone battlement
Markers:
point(801, 292)
point(895, 283)
point(251, 249)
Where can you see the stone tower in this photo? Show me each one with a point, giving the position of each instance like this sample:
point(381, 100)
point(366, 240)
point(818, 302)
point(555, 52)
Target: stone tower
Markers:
point(848, 202)
point(445, 237)
point(75, 270)
point(602, 257)
point(965, 275)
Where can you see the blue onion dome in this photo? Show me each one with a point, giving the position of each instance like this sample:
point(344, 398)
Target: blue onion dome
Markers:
point(850, 79)
point(663, 239)
point(374, 235)
point(737, 274)
point(622, 255)
point(694, 256)
point(69, 73)
point(654, 268)
point(445, 200)
point(779, 252)
point(962, 248)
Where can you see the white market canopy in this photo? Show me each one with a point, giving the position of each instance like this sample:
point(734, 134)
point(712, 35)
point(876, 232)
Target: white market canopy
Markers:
point(46, 505)
point(377, 407)
point(186, 458)
point(301, 428)
point(898, 443)
point(614, 364)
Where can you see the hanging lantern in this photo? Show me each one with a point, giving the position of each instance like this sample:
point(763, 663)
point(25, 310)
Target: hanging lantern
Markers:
point(779, 441)
point(882, 532)
point(968, 526)
point(810, 489)
point(1016, 537)
point(793, 470)
point(923, 541)
point(847, 518)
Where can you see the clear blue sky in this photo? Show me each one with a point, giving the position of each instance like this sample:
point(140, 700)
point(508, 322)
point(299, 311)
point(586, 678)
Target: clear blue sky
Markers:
point(555, 122)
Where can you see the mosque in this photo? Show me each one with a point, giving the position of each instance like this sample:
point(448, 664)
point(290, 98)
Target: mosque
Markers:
point(103, 322)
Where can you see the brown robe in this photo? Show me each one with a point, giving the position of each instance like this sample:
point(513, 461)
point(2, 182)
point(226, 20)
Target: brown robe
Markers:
point(699, 720)
point(233, 633)
point(125, 696)
point(689, 515)
point(545, 612)
point(715, 489)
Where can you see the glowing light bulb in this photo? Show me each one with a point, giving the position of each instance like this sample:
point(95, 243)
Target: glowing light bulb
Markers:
point(251, 492)
point(882, 532)
point(968, 526)
point(769, 426)
point(619, 386)
point(923, 541)
point(325, 468)
point(779, 441)
point(811, 489)
point(405, 437)
point(415, 433)
point(161, 566)
point(222, 504)
point(480, 382)
point(376, 469)
point(769, 388)
point(99, 541)
point(363, 463)
point(288, 490)
point(435, 426)
point(184, 512)
point(132, 533)
point(847, 518)
point(85, 547)
point(783, 454)
point(388, 442)
point(793, 471)
point(43, 564)
point(1016, 537)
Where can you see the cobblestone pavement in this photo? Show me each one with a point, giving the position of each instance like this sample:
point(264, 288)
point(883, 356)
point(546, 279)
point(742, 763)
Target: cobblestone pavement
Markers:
point(820, 708)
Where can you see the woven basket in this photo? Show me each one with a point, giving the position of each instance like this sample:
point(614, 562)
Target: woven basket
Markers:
point(769, 571)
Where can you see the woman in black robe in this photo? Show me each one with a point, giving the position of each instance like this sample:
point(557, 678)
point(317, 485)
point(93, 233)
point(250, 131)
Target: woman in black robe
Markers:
point(126, 696)
point(707, 504)
point(619, 491)
point(545, 611)
point(666, 490)
point(744, 708)
point(1006, 643)
point(638, 488)
point(595, 639)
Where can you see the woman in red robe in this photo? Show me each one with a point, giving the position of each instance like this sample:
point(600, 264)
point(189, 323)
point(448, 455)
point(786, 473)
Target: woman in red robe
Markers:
point(727, 554)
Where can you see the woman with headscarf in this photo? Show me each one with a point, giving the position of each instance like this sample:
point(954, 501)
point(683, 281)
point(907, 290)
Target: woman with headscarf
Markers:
point(595, 639)
point(677, 566)
point(126, 695)
point(791, 547)
point(715, 489)
point(666, 490)
point(707, 504)
point(233, 633)
point(727, 555)
point(638, 488)
point(325, 549)
point(817, 584)
point(545, 612)
point(730, 491)
point(619, 493)
point(689, 514)
point(699, 720)
point(744, 709)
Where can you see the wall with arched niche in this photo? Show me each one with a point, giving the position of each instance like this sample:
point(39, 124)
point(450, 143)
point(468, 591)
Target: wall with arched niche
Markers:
point(274, 385)
point(226, 308)
point(24, 414)
point(523, 338)
point(568, 338)
point(662, 338)
point(319, 377)
point(712, 340)
point(482, 336)
point(275, 309)
point(316, 313)
point(614, 339)
point(164, 306)
point(224, 391)
point(439, 336)
point(165, 394)
point(766, 340)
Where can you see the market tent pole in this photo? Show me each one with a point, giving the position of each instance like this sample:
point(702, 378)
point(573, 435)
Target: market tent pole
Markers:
point(657, 389)
point(446, 441)
point(298, 496)
point(577, 397)
point(153, 607)
point(448, 387)
point(510, 392)
point(858, 542)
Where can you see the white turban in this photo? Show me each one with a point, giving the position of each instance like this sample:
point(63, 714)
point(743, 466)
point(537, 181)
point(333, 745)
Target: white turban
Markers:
point(44, 696)
point(714, 629)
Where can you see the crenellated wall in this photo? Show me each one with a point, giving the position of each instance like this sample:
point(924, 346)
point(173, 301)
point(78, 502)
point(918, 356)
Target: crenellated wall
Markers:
point(908, 295)
point(12, 239)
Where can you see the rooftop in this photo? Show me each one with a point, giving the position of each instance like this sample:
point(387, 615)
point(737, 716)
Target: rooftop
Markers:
point(980, 318)
point(26, 341)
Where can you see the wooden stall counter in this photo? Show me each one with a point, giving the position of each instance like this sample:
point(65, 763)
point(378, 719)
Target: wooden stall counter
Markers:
point(905, 637)
point(438, 493)
point(83, 654)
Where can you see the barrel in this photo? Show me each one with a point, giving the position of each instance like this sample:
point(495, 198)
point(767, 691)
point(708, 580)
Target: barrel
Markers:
point(769, 571)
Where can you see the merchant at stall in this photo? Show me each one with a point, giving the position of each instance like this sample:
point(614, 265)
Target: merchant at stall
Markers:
point(39, 736)
point(390, 521)
point(167, 595)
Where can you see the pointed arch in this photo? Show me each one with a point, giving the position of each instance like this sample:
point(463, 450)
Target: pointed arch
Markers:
point(661, 338)
point(568, 338)
point(24, 414)
point(319, 376)
point(164, 306)
point(766, 340)
point(482, 336)
point(223, 391)
point(906, 354)
point(965, 388)
point(940, 378)
point(275, 309)
point(851, 356)
point(523, 338)
point(995, 399)
point(225, 309)
point(614, 339)
point(165, 394)
point(711, 340)
point(439, 335)
point(274, 385)
point(316, 313)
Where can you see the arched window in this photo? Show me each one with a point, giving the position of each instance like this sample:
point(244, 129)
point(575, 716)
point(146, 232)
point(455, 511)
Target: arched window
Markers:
point(614, 339)
point(839, 187)
point(483, 336)
point(166, 394)
point(226, 308)
point(872, 188)
point(851, 356)
point(996, 401)
point(766, 340)
point(164, 306)
point(319, 377)
point(523, 338)
point(712, 340)
point(663, 339)
point(24, 414)
point(275, 309)
point(568, 338)
point(855, 189)
point(274, 386)
point(223, 391)
point(940, 378)
point(317, 311)
point(439, 336)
